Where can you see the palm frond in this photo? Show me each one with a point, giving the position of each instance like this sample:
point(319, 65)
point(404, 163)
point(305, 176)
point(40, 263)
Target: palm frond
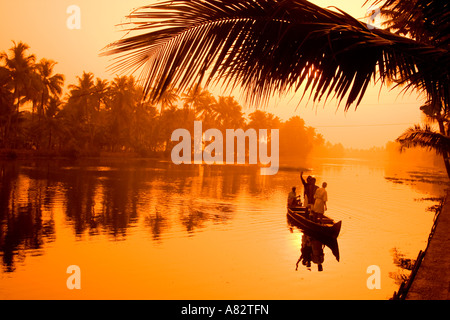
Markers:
point(423, 20)
point(425, 137)
point(272, 46)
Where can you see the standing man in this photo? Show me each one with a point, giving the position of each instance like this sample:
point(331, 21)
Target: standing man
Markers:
point(309, 189)
point(320, 205)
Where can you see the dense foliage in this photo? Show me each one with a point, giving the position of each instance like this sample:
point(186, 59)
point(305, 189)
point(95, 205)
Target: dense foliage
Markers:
point(98, 115)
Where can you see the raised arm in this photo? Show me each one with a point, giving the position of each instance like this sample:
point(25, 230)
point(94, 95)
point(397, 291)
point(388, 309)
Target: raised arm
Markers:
point(301, 177)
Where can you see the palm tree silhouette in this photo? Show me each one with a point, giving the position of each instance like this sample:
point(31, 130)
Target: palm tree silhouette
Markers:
point(52, 84)
point(426, 22)
point(6, 102)
point(168, 99)
point(196, 99)
point(20, 66)
point(428, 137)
point(274, 46)
point(83, 105)
point(122, 104)
point(52, 126)
point(228, 113)
point(45, 86)
point(80, 95)
point(280, 46)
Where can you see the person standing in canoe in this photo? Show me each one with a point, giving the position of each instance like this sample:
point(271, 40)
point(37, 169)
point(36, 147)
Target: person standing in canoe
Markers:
point(320, 203)
point(309, 189)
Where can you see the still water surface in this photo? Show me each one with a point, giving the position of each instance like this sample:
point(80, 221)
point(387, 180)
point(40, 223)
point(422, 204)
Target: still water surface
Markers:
point(141, 229)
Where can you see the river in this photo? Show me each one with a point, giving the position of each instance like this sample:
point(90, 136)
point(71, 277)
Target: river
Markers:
point(145, 229)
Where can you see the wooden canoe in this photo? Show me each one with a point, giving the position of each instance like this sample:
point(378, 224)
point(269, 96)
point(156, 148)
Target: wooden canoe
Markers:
point(328, 227)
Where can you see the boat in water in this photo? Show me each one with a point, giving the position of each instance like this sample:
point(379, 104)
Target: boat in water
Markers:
point(327, 228)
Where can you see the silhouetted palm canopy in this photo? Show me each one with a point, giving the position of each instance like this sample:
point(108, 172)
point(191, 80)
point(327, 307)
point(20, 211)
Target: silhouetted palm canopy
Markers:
point(274, 46)
point(425, 137)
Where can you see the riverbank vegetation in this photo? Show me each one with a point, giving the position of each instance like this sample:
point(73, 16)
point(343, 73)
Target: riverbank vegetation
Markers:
point(276, 47)
point(98, 117)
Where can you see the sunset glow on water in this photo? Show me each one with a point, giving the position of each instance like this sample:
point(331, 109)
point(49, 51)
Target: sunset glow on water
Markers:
point(153, 230)
point(149, 149)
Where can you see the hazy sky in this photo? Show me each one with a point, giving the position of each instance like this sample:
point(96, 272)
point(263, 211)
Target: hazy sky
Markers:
point(381, 117)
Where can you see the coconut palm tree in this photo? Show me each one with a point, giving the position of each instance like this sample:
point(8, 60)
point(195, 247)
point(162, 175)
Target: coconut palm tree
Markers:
point(263, 120)
point(81, 96)
point(425, 136)
point(52, 84)
point(428, 137)
point(6, 102)
point(275, 46)
point(44, 86)
point(169, 99)
point(82, 108)
point(204, 108)
point(101, 93)
point(124, 99)
point(21, 67)
point(279, 46)
point(228, 113)
point(52, 125)
point(197, 99)
point(426, 22)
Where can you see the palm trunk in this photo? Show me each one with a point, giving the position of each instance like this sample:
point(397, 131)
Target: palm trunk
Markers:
point(10, 125)
point(50, 138)
point(40, 116)
point(445, 154)
point(447, 163)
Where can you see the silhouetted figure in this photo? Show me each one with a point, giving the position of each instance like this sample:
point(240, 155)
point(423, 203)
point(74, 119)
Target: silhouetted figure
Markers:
point(320, 204)
point(309, 189)
point(306, 253)
point(293, 199)
point(311, 251)
point(317, 255)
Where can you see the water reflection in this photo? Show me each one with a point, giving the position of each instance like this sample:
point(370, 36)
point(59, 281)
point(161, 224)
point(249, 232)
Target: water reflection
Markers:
point(157, 223)
point(98, 199)
point(405, 265)
point(312, 247)
point(311, 251)
point(226, 222)
point(23, 225)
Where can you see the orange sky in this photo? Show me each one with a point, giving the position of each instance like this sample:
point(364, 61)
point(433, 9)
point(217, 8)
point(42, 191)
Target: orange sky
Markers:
point(42, 25)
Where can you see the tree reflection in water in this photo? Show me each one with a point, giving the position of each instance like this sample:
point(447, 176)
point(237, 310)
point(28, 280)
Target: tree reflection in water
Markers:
point(405, 265)
point(98, 199)
point(23, 225)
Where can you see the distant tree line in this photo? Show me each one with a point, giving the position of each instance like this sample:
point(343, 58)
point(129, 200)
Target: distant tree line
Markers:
point(97, 115)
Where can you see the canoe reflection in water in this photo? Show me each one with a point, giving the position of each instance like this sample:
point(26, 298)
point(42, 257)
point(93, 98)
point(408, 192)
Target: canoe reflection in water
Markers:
point(312, 246)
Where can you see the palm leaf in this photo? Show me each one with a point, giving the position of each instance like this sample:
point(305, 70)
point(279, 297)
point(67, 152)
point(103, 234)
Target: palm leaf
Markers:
point(272, 46)
point(423, 20)
point(425, 137)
